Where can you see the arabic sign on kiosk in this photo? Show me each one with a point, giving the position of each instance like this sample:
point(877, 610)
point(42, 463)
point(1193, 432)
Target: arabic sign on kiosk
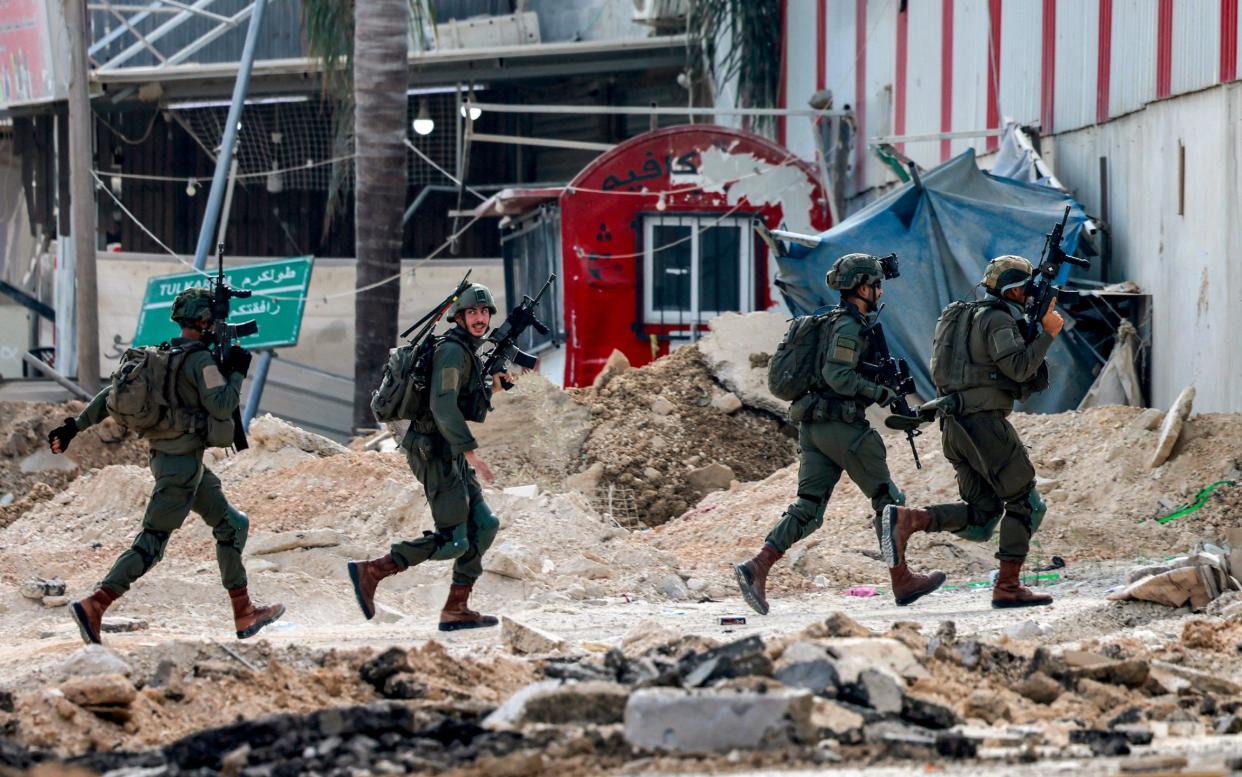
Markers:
point(279, 298)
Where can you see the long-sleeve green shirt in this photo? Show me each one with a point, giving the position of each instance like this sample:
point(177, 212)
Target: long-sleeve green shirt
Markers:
point(996, 340)
point(846, 348)
point(454, 379)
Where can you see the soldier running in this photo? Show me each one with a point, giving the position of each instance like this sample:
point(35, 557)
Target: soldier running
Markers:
point(200, 388)
point(982, 365)
point(834, 435)
point(440, 450)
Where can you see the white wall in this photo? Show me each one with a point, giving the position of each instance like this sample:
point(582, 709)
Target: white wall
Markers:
point(1191, 263)
point(327, 337)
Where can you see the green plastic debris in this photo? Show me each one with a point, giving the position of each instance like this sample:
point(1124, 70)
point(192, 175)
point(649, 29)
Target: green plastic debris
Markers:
point(1046, 578)
point(1194, 506)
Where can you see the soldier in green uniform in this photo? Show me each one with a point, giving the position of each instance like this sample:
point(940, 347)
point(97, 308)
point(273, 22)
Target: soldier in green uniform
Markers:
point(834, 435)
point(981, 378)
point(200, 389)
point(440, 450)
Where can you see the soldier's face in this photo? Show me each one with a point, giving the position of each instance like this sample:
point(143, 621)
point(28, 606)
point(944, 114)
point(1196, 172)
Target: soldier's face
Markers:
point(476, 320)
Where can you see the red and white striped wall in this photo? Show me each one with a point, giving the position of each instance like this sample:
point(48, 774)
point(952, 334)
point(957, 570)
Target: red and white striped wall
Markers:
point(917, 67)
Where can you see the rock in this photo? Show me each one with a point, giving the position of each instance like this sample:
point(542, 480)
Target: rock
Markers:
point(678, 720)
point(662, 406)
point(43, 460)
point(818, 675)
point(1039, 688)
point(523, 639)
point(56, 601)
point(727, 403)
point(586, 481)
point(1110, 743)
point(1025, 630)
point(93, 660)
point(588, 569)
point(1204, 682)
point(1102, 695)
point(647, 635)
point(292, 540)
point(38, 587)
point(104, 689)
point(988, 706)
point(835, 721)
point(617, 363)
point(713, 477)
point(928, 714)
point(1171, 430)
point(740, 658)
point(838, 624)
point(651, 473)
point(509, 561)
point(1132, 672)
point(1148, 420)
point(1229, 724)
point(403, 685)
point(594, 702)
point(672, 586)
point(376, 671)
point(875, 689)
point(855, 654)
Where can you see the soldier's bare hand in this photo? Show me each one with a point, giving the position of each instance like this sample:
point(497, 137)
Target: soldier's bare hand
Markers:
point(1052, 322)
point(480, 466)
point(499, 380)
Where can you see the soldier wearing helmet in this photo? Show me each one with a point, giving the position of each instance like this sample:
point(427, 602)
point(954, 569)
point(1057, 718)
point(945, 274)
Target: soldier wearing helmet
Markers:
point(982, 365)
point(202, 393)
point(834, 435)
point(440, 449)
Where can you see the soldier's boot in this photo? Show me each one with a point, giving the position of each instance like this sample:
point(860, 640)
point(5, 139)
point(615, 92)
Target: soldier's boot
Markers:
point(752, 577)
point(908, 586)
point(88, 613)
point(456, 615)
point(248, 618)
point(896, 526)
point(1008, 591)
point(366, 576)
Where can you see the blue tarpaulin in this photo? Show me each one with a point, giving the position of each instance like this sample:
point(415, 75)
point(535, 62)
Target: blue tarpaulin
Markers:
point(944, 229)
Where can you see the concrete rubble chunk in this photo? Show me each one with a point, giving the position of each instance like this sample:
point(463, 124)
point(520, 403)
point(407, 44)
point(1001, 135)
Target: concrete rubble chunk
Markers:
point(883, 653)
point(1039, 688)
point(523, 639)
point(713, 477)
point(647, 635)
point(509, 561)
point(1171, 430)
point(1204, 682)
point(293, 540)
point(988, 706)
point(678, 720)
point(93, 660)
point(727, 403)
point(593, 702)
point(838, 624)
point(617, 363)
point(1174, 588)
point(737, 351)
point(818, 675)
point(1131, 672)
point(835, 721)
point(741, 658)
point(104, 689)
point(661, 405)
point(875, 689)
point(55, 601)
point(587, 568)
point(587, 481)
point(376, 670)
point(928, 714)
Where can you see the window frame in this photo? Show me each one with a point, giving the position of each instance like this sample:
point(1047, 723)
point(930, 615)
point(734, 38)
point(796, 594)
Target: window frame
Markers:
point(698, 223)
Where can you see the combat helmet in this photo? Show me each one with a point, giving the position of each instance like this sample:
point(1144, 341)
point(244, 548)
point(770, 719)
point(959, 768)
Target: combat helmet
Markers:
point(853, 270)
point(192, 306)
point(1006, 272)
point(476, 294)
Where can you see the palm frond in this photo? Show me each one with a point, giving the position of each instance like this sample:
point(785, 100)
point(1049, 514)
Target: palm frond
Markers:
point(738, 41)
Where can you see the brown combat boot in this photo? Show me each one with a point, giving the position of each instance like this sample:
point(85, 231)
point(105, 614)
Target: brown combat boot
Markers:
point(1008, 591)
point(752, 577)
point(896, 526)
point(247, 617)
point(88, 613)
point(908, 587)
point(366, 576)
point(456, 615)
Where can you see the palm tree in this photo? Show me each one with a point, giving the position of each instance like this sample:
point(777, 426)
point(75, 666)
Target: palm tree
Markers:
point(377, 55)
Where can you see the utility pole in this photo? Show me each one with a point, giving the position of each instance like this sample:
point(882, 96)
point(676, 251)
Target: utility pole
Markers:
point(82, 198)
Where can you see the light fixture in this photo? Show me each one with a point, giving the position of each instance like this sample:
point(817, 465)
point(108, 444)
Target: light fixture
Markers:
point(474, 112)
point(191, 188)
point(275, 183)
point(423, 123)
point(660, 203)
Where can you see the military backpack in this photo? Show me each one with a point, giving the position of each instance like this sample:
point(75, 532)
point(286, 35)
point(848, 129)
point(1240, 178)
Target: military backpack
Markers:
point(404, 394)
point(795, 367)
point(143, 396)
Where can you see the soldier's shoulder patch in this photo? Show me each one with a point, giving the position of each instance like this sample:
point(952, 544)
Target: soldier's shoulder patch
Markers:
point(450, 377)
point(844, 349)
point(1004, 340)
point(212, 378)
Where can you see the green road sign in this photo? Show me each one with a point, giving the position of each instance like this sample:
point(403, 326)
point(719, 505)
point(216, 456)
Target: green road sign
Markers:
point(279, 298)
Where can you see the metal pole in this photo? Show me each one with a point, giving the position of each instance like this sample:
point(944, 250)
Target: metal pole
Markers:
point(256, 387)
point(228, 204)
point(225, 160)
point(47, 370)
point(82, 198)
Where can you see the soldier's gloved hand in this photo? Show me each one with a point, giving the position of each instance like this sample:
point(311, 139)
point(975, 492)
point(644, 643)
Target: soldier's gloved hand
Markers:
point(58, 439)
point(883, 395)
point(237, 360)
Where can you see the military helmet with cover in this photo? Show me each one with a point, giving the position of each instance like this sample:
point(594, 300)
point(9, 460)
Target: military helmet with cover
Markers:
point(192, 306)
point(1006, 272)
point(475, 295)
point(853, 270)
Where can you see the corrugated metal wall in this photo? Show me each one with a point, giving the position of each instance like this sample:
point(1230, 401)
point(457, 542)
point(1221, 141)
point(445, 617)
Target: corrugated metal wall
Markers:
point(923, 80)
point(1021, 26)
point(1078, 25)
point(970, 71)
point(1133, 81)
point(1196, 44)
point(881, 68)
point(800, 35)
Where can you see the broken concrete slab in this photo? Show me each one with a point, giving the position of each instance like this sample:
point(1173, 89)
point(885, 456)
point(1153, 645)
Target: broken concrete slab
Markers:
point(679, 720)
point(728, 350)
point(523, 639)
point(741, 658)
point(593, 702)
point(855, 654)
point(293, 540)
point(1171, 430)
point(880, 691)
point(1172, 589)
point(835, 721)
point(1205, 682)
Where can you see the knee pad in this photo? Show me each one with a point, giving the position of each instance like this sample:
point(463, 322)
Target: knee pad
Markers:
point(486, 524)
point(888, 494)
point(981, 526)
point(451, 542)
point(149, 545)
point(808, 510)
point(1038, 509)
point(237, 524)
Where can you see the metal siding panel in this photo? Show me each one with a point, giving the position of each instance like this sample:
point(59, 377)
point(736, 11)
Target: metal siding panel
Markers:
point(970, 72)
point(881, 72)
point(1021, 26)
point(840, 59)
point(1134, 56)
point(923, 80)
point(1077, 41)
point(1196, 44)
point(800, 60)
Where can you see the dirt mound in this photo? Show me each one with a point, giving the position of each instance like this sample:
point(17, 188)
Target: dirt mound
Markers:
point(653, 425)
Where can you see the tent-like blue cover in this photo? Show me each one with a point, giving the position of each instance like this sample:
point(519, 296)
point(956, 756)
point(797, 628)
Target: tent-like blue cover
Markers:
point(944, 233)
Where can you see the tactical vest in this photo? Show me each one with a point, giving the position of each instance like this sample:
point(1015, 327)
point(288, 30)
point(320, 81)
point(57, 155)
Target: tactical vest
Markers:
point(473, 396)
point(144, 397)
point(952, 366)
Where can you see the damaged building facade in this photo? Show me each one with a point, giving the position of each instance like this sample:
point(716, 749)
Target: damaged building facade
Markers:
point(1146, 134)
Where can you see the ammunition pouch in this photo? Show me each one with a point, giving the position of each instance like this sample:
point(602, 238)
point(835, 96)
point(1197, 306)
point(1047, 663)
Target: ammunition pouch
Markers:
point(816, 407)
point(217, 432)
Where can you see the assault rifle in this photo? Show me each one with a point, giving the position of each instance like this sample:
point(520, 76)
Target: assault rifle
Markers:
point(505, 351)
point(1041, 292)
point(433, 316)
point(225, 335)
